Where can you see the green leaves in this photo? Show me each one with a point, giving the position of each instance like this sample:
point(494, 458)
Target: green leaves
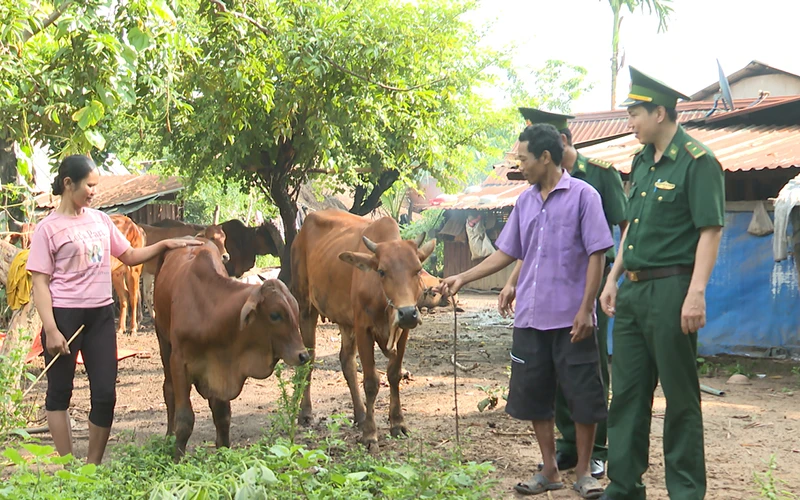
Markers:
point(89, 115)
point(249, 473)
point(95, 138)
point(138, 39)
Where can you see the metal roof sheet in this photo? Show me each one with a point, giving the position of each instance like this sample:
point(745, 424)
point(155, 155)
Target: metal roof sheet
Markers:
point(115, 190)
point(737, 147)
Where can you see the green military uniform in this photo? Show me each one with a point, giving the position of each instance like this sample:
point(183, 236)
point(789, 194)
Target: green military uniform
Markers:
point(669, 201)
point(602, 176)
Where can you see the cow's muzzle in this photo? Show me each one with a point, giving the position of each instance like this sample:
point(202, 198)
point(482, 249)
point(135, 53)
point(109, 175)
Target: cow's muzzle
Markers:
point(407, 317)
point(226, 257)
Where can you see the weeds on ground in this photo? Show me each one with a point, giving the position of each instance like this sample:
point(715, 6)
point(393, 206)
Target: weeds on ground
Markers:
point(13, 413)
point(274, 468)
point(770, 487)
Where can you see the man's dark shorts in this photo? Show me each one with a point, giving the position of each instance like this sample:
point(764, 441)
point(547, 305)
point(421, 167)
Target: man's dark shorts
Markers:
point(543, 360)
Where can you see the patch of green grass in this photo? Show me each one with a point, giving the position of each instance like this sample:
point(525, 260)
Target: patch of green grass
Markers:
point(263, 261)
point(274, 468)
point(770, 487)
point(739, 369)
point(706, 368)
point(269, 469)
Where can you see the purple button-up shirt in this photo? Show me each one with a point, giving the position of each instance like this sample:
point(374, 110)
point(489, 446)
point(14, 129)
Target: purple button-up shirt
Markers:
point(554, 239)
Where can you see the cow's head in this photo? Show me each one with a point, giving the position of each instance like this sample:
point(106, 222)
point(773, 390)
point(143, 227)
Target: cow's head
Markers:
point(430, 297)
point(215, 234)
point(268, 240)
point(270, 317)
point(398, 264)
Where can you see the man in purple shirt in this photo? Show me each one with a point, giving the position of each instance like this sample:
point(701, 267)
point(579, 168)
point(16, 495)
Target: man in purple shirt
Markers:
point(558, 230)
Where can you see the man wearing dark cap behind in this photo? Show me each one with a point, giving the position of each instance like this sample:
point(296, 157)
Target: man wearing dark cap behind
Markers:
point(676, 210)
point(602, 176)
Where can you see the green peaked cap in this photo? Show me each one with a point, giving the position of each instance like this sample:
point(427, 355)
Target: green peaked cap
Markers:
point(535, 116)
point(647, 89)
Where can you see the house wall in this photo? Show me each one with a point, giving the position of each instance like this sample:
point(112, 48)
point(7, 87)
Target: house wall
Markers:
point(457, 259)
point(154, 212)
point(777, 85)
point(752, 301)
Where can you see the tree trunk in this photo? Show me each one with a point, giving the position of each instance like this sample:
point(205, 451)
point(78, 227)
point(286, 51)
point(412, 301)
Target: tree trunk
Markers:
point(288, 210)
point(364, 205)
point(8, 162)
point(615, 54)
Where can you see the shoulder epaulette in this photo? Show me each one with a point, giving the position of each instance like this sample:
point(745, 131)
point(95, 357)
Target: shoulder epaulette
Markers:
point(600, 163)
point(638, 150)
point(695, 150)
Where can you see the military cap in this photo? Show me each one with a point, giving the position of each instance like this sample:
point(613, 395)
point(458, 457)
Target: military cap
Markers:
point(646, 89)
point(535, 116)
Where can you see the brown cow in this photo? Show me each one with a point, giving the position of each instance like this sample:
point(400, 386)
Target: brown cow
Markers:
point(125, 279)
point(361, 275)
point(155, 234)
point(431, 298)
point(244, 243)
point(214, 332)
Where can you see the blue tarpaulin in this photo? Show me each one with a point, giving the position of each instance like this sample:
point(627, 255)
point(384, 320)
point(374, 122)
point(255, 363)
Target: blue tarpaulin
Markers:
point(751, 300)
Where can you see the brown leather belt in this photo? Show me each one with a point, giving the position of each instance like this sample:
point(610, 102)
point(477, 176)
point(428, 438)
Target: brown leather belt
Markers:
point(657, 272)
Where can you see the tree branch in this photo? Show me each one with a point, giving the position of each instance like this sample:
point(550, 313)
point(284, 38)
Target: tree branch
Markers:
point(378, 84)
point(222, 8)
point(47, 21)
point(373, 200)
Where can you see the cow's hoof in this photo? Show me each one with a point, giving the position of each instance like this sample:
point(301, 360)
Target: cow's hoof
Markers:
point(400, 431)
point(305, 420)
point(371, 444)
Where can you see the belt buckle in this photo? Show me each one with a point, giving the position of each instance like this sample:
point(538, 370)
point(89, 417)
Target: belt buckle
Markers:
point(633, 276)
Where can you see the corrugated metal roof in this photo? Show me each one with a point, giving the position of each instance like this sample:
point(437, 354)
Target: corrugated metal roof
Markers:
point(592, 129)
point(753, 68)
point(602, 125)
point(115, 190)
point(738, 147)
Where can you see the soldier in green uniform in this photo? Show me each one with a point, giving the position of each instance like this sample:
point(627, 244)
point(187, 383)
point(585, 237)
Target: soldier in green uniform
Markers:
point(602, 176)
point(676, 210)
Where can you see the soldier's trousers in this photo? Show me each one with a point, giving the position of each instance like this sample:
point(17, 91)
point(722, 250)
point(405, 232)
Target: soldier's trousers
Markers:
point(649, 345)
point(566, 444)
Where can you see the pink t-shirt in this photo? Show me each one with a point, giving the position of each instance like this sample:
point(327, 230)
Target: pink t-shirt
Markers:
point(76, 252)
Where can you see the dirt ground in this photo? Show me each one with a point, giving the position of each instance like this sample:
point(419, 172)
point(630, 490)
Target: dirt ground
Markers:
point(742, 429)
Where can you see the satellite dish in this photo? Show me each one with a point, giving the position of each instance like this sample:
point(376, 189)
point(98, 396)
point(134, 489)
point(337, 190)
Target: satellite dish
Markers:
point(725, 88)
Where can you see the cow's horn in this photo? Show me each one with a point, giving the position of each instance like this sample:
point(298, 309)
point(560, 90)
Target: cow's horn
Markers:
point(371, 245)
point(420, 239)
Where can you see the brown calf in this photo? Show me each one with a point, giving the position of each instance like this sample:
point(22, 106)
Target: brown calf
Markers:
point(214, 332)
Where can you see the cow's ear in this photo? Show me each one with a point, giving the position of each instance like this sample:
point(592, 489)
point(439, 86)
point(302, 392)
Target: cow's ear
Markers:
point(248, 313)
point(362, 261)
point(426, 250)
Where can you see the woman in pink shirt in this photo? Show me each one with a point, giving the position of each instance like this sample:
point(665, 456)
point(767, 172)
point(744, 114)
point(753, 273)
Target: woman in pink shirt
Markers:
point(69, 259)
